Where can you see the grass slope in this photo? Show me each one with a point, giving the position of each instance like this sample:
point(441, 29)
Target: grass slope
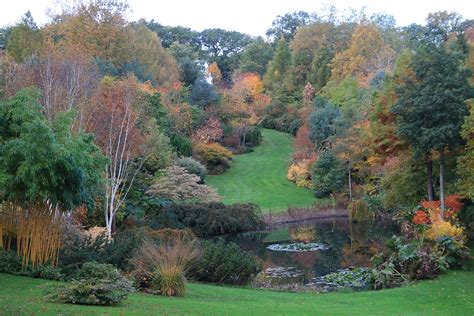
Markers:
point(260, 176)
point(451, 294)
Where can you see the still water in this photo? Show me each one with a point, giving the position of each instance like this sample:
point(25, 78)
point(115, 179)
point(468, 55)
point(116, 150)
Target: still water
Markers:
point(350, 245)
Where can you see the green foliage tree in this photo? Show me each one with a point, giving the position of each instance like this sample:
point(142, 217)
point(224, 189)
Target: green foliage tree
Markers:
point(320, 68)
point(431, 107)
point(256, 56)
point(278, 66)
point(286, 25)
point(225, 48)
point(203, 94)
point(24, 39)
point(40, 162)
point(327, 174)
point(466, 160)
point(323, 122)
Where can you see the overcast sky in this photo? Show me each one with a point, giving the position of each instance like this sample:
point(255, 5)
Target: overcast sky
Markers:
point(247, 16)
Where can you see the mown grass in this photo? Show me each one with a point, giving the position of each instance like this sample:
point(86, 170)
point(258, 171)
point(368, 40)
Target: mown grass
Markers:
point(260, 177)
point(451, 294)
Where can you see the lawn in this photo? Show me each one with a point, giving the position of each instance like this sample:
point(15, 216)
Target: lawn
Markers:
point(451, 294)
point(260, 176)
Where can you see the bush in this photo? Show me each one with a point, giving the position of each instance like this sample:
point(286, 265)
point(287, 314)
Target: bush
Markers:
point(299, 173)
point(90, 292)
point(10, 262)
point(222, 262)
point(359, 212)
point(193, 166)
point(161, 268)
point(94, 284)
point(208, 219)
point(407, 260)
point(78, 249)
point(216, 157)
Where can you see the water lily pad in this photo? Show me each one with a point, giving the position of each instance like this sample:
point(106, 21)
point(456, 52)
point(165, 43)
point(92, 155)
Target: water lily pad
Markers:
point(297, 247)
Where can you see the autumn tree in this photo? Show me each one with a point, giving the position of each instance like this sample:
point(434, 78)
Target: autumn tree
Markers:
point(96, 27)
point(366, 56)
point(116, 119)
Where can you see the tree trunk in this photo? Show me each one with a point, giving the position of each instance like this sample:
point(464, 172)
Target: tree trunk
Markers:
point(441, 182)
point(350, 181)
point(429, 171)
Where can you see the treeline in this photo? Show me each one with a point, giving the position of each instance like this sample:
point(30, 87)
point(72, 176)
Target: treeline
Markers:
point(372, 106)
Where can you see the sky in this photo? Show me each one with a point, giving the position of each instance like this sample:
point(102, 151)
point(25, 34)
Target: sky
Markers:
point(252, 17)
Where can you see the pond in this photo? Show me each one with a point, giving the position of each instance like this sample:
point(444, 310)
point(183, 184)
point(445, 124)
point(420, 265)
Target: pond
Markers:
point(326, 246)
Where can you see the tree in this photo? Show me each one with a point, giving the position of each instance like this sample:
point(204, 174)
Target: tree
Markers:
point(466, 160)
point(328, 174)
point(366, 56)
point(180, 186)
point(320, 68)
point(67, 78)
point(24, 39)
point(256, 56)
point(203, 94)
point(323, 122)
point(278, 66)
point(225, 48)
point(143, 46)
point(286, 25)
point(116, 118)
point(430, 109)
point(46, 171)
point(188, 61)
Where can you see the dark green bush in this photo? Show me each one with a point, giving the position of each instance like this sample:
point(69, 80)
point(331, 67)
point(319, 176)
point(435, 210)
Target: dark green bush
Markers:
point(78, 250)
point(10, 262)
point(208, 219)
point(222, 262)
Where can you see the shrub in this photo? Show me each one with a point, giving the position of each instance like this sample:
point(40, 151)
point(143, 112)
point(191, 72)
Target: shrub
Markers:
point(209, 219)
point(457, 255)
point(94, 284)
point(216, 157)
point(359, 212)
point(300, 174)
point(407, 260)
point(161, 268)
point(181, 186)
point(78, 249)
point(90, 292)
point(10, 262)
point(328, 175)
point(193, 166)
point(440, 228)
point(222, 262)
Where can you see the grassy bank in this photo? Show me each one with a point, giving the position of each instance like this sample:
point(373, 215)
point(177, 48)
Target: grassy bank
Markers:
point(260, 176)
point(451, 294)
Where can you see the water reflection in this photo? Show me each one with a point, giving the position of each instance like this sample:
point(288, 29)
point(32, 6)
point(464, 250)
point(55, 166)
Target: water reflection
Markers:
point(350, 245)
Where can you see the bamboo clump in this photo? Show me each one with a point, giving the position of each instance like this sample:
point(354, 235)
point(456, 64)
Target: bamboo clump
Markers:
point(37, 229)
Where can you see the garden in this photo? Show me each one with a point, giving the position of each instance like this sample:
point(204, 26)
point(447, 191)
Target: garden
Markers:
point(150, 169)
